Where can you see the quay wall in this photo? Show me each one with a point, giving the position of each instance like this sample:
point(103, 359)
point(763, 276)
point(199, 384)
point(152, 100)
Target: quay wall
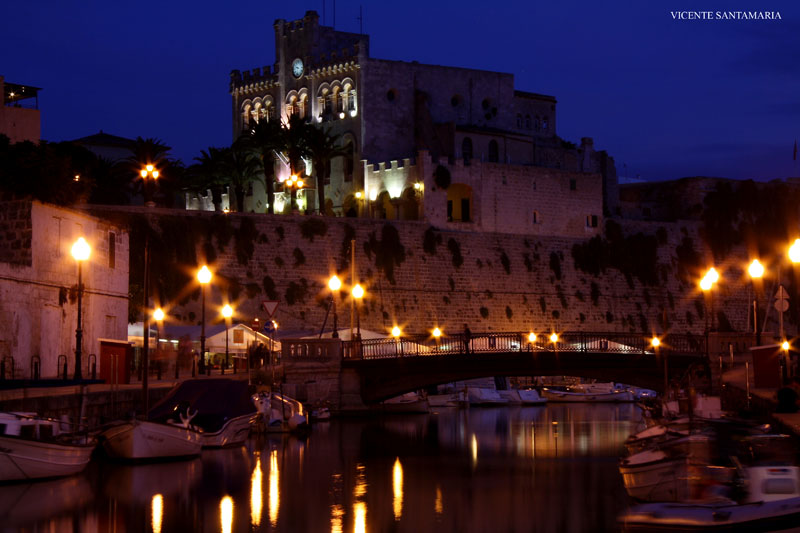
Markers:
point(419, 277)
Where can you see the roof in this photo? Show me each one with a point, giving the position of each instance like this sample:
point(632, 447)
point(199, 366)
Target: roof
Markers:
point(534, 96)
point(14, 92)
point(105, 139)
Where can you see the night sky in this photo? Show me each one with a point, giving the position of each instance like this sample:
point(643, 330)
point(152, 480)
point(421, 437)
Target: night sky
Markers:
point(667, 98)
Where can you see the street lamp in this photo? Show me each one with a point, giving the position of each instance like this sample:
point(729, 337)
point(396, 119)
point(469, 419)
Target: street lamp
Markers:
point(334, 284)
point(149, 171)
point(227, 312)
point(204, 277)
point(706, 285)
point(294, 183)
point(756, 271)
point(80, 252)
point(358, 294)
point(655, 342)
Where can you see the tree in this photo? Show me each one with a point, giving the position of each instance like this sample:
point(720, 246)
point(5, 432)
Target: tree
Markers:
point(239, 168)
point(148, 152)
point(263, 140)
point(323, 147)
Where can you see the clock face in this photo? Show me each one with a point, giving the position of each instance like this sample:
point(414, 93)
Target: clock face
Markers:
point(297, 67)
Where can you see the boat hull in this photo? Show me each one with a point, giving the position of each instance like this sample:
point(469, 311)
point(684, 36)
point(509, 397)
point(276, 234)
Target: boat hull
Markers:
point(29, 459)
point(760, 516)
point(566, 396)
point(233, 433)
point(151, 440)
point(481, 397)
point(665, 480)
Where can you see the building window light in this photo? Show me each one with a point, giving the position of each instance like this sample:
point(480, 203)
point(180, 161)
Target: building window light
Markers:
point(341, 114)
point(352, 112)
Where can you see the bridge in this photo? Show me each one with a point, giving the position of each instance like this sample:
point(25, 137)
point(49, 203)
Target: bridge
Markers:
point(377, 369)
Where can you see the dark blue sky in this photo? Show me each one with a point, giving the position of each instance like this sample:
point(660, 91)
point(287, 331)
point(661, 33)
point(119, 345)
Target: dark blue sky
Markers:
point(667, 98)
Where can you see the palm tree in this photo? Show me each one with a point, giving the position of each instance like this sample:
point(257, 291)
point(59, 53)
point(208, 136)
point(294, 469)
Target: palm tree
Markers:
point(206, 175)
point(239, 167)
point(323, 147)
point(147, 152)
point(263, 140)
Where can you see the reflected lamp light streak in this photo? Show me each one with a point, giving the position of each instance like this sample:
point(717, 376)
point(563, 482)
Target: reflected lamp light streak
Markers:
point(226, 514)
point(337, 515)
point(256, 494)
point(397, 489)
point(360, 522)
point(157, 512)
point(274, 495)
point(474, 450)
point(438, 507)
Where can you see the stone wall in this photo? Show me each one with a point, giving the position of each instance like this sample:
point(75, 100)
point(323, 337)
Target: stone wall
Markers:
point(16, 231)
point(492, 281)
point(38, 304)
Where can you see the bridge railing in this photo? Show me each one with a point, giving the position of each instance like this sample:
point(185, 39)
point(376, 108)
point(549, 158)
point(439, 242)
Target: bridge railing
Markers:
point(311, 349)
point(609, 342)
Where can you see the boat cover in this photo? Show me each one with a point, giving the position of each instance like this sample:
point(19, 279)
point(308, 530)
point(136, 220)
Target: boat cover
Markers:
point(215, 400)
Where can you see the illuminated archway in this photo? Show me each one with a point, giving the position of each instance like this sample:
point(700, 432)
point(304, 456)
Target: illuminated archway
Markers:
point(459, 203)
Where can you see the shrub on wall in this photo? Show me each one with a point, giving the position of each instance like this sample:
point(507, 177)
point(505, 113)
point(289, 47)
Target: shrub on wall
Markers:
point(595, 294)
point(455, 251)
point(245, 240)
point(312, 227)
point(344, 251)
point(526, 257)
point(484, 312)
point(555, 265)
point(441, 177)
point(505, 261)
point(509, 312)
point(543, 304)
point(269, 288)
point(430, 240)
point(297, 292)
point(299, 257)
point(389, 252)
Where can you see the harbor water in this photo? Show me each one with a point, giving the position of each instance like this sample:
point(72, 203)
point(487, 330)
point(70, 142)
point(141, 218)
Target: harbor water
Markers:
point(506, 469)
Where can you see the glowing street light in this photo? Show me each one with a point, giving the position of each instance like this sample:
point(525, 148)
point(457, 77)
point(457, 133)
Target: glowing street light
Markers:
point(396, 332)
point(437, 333)
point(204, 277)
point(655, 342)
point(334, 284)
point(554, 337)
point(227, 312)
point(80, 252)
point(531, 337)
point(149, 171)
point(756, 271)
point(794, 251)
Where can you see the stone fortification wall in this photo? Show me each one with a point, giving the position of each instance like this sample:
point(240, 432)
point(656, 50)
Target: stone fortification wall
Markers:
point(418, 278)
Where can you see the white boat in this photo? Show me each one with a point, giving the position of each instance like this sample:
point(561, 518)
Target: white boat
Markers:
point(278, 413)
point(224, 410)
point(35, 448)
point(142, 439)
point(453, 399)
point(653, 475)
point(554, 395)
point(482, 396)
point(771, 501)
point(522, 397)
point(410, 402)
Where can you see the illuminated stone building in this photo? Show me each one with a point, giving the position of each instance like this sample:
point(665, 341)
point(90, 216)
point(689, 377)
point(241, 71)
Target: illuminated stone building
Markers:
point(19, 112)
point(402, 122)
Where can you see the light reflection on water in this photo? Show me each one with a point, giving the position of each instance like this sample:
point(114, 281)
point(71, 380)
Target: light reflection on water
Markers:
point(494, 469)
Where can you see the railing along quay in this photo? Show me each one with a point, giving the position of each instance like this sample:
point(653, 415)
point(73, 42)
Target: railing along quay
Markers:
point(484, 343)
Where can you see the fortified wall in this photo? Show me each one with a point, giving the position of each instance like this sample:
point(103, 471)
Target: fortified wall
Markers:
point(418, 277)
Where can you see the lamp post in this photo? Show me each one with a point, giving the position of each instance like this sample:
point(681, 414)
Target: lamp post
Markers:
point(655, 342)
point(204, 277)
point(437, 333)
point(227, 312)
point(756, 271)
point(294, 183)
point(158, 315)
point(396, 332)
point(80, 252)
point(149, 171)
point(358, 294)
point(334, 284)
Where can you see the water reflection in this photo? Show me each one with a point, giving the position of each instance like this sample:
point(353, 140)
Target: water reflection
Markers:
point(256, 494)
point(226, 514)
point(157, 512)
point(537, 466)
point(397, 489)
point(274, 491)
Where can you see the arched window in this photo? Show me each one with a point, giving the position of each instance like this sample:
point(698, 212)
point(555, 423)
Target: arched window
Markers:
point(494, 152)
point(537, 124)
point(527, 121)
point(536, 217)
point(257, 112)
point(466, 150)
point(519, 120)
point(544, 124)
point(246, 115)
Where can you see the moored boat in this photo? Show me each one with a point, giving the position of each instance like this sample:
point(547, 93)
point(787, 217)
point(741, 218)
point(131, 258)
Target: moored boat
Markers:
point(554, 395)
point(485, 397)
point(142, 439)
point(224, 409)
point(410, 402)
point(278, 413)
point(34, 448)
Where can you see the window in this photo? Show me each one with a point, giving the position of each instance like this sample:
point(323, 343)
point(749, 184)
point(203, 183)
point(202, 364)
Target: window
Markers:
point(591, 221)
point(519, 120)
point(537, 124)
point(238, 336)
point(536, 217)
point(466, 150)
point(112, 250)
point(544, 124)
point(493, 151)
point(527, 122)
point(390, 95)
point(573, 185)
